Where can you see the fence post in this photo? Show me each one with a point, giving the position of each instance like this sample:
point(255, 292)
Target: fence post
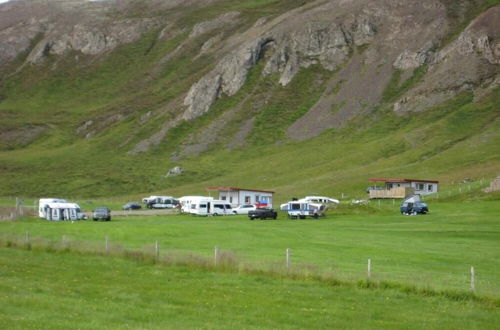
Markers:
point(472, 280)
point(157, 251)
point(369, 268)
point(287, 259)
point(216, 255)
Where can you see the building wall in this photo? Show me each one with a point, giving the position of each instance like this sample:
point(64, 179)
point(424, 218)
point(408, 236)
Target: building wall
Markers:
point(422, 188)
point(241, 197)
point(425, 188)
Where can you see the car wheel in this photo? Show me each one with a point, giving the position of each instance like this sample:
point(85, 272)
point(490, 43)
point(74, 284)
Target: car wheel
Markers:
point(275, 216)
point(94, 219)
point(315, 216)
point(251, 218)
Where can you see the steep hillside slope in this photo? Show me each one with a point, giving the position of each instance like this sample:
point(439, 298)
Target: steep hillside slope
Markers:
point(296, 96)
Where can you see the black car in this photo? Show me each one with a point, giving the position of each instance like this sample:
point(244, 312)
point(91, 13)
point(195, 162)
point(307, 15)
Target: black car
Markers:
point(261, 213)
point(101, 213)
point(414, 208)
point(132, 206)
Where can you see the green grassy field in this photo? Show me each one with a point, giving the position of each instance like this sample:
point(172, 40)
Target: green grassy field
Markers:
point(60, 291)
point(65, 276)
point(434, 251)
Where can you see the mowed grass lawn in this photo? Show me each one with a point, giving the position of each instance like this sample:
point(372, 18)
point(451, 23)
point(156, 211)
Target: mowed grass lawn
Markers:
point(432, 251)
point(43, 290)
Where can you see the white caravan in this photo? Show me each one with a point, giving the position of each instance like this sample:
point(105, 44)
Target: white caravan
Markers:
point(187, 201)
point(302, 209)
point(63, 211)
point(319, 199)
point(211, 207)
point(42, 205)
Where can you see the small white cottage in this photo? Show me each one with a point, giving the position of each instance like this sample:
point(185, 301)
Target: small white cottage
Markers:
point(401, 188)
point(240, 196)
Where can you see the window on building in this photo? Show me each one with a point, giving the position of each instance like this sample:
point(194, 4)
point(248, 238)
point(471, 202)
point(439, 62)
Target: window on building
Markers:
point(223, 198)
point(230, 199)
point(257, 199)
point(430, 187)
point(420, 186)
point(247, 199)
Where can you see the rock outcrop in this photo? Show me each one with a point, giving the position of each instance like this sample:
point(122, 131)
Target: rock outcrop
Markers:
point(90, 39)
point(226, 78)
point(175, 171)
point(469, 62)
point(207, 26)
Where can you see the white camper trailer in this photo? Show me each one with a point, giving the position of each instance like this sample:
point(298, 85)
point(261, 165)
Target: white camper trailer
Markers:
point(42, 205)
point(320, 199)
point(187, 201)
point(63, 211)
point(303, 209)
point(211, 207)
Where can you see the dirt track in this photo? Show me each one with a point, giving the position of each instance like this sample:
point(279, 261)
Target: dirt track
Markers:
point(140, 212)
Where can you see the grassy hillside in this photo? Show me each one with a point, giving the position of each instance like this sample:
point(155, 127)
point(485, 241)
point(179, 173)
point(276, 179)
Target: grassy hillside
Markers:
point(455, 140)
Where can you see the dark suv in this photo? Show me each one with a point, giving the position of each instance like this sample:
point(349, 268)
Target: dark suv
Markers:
point(101, 213)
point(261, 213)
point(415, 208)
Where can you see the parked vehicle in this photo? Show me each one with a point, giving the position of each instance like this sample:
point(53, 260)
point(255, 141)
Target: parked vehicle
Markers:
point(301, 209)
point(262, 213)
point(146, 200)
point(165, 202)
point(319, 199)
point(211, 207)
point(244, 209)
point(63, 211)
point(132, 206)
point(187, 201)
point(101, 213)
point(418, 207)
point(43, 205)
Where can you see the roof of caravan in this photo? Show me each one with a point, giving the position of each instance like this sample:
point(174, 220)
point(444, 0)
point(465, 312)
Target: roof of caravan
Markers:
point(63, 205)
point(52, 200)
point(238, 189)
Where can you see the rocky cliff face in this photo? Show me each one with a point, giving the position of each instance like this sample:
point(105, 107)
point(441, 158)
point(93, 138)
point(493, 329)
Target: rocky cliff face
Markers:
point(64, 30)
point(362, 43)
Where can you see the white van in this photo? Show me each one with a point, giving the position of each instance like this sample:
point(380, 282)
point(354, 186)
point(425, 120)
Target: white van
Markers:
point(162, 202)
point(42, 205)
point(211, 207)
point(187, 201)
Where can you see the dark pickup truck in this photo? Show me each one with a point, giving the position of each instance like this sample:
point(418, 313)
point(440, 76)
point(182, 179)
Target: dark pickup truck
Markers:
point(262, 214)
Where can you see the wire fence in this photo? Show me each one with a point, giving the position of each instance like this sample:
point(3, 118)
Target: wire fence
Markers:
point(466, 279)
